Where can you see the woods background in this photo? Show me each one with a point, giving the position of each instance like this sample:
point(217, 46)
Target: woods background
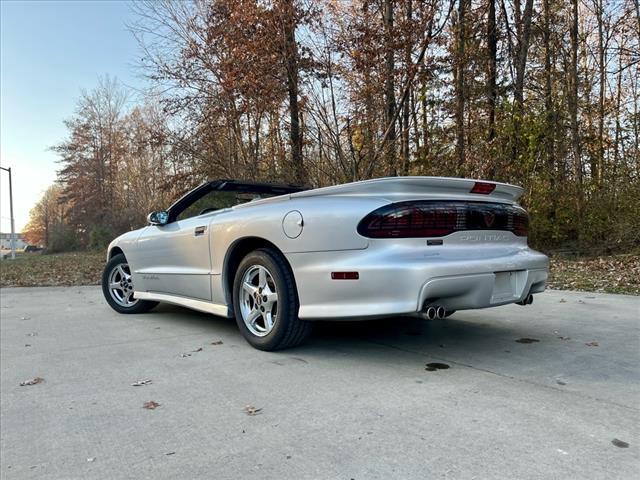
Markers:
point(544, 94)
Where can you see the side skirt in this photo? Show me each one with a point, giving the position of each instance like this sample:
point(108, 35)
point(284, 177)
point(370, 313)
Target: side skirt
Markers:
point(200, 305)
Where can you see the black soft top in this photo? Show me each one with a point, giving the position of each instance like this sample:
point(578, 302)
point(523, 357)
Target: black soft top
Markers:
point(257, 187)
point(230, 186)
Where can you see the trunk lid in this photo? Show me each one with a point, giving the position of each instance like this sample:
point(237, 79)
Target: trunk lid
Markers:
point(396, 188)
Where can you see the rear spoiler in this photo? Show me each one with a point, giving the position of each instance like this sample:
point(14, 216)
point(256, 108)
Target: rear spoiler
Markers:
point(390, 186)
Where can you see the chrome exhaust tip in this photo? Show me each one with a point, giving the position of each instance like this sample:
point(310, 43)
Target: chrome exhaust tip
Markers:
point(431, 313)
point(440, 312)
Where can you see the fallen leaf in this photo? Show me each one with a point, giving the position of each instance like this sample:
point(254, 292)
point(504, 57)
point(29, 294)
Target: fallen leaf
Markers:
point(527, 340)
point(139, 383)
point(620, 443)
point(218, 342)
point(251, 410)
point(591, 344)
point(150, 405)
point(32, 381)
point(432, 367)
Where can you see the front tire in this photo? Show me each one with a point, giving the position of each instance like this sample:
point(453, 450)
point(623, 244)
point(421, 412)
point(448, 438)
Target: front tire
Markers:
point(117, 287)
point(265, 302)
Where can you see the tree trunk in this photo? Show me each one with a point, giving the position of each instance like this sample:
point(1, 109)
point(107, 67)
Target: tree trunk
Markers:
point(549, 131)
point(291, 62)
point(598, 163)
point(523, 28)
point(638, 16)
point(573, 101)
point(389, 87)
point(492, 52)
point(459, 82)
point(406, 104)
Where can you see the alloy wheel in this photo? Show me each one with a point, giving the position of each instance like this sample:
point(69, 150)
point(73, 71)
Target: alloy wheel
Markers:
point(121, 285)
point(259, 300)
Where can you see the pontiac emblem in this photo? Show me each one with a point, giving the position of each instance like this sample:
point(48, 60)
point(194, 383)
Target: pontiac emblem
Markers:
point(489, 218)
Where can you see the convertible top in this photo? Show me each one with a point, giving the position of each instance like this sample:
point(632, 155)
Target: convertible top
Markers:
point(230, 186)
point(257, 187)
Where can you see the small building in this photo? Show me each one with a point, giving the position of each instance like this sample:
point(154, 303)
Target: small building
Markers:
point(5, 241)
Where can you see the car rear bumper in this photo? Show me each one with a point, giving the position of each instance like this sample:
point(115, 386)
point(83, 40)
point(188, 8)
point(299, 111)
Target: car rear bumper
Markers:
point(403, 279)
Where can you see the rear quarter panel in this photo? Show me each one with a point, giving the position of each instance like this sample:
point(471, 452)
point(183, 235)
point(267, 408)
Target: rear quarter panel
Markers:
point(329, 224)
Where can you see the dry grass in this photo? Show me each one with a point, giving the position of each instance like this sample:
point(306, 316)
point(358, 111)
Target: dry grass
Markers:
point(35, 270)
point(615, 274)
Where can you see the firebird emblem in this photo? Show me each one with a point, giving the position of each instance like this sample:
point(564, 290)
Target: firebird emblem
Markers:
point(489, 218)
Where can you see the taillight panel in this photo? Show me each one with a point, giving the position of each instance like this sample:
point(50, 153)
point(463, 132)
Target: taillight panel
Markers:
point(434, 218)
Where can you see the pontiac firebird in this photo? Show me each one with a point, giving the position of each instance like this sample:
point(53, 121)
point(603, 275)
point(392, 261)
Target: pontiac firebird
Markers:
point(278, 256)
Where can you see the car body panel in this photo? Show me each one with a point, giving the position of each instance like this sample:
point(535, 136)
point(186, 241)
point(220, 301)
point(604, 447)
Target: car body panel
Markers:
point(174, 259)
point(471, 269)
point(400, 277)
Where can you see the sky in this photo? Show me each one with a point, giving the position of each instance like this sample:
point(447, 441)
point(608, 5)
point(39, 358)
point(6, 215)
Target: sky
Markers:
point(49, 51)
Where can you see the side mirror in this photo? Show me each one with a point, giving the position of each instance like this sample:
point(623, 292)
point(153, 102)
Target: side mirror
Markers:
point(158, 218)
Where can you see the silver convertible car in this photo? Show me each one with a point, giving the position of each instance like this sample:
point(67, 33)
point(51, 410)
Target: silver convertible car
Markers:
point(277, 257)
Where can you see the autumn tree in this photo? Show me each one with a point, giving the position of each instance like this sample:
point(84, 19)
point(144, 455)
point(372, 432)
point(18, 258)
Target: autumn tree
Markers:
point(45, 217)
point(541, 93)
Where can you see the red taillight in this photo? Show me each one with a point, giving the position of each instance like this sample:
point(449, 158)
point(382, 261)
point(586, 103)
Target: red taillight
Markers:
point(521, 224)
point(437, 218)
point(409, 220)
point(483, 188)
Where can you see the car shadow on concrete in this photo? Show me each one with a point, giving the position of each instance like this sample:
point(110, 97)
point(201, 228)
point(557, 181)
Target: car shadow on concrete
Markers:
point(504, 343)
point(461, 340)
point(399, 331)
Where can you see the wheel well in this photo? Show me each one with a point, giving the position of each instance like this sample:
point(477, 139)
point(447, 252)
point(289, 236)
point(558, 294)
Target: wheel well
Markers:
point(235, 255)
point(115, 251)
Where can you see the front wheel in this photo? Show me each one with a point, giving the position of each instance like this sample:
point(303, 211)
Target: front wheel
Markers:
point(265, 302)
point(117, 287)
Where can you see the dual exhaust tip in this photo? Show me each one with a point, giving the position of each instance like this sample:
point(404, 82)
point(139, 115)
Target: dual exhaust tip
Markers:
point(435, 312)
point(439, 312)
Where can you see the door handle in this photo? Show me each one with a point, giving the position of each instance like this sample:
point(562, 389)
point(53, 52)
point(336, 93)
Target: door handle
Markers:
point(200, 230)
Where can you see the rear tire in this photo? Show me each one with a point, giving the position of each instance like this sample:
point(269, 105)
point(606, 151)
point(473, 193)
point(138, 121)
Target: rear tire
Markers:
point(117, 287)
point(265, 302)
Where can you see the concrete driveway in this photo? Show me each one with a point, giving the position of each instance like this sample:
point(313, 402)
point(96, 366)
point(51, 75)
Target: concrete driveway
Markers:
point(355, 402)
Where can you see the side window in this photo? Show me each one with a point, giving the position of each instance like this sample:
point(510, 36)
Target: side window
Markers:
point(214, 200)
point(217, 200)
